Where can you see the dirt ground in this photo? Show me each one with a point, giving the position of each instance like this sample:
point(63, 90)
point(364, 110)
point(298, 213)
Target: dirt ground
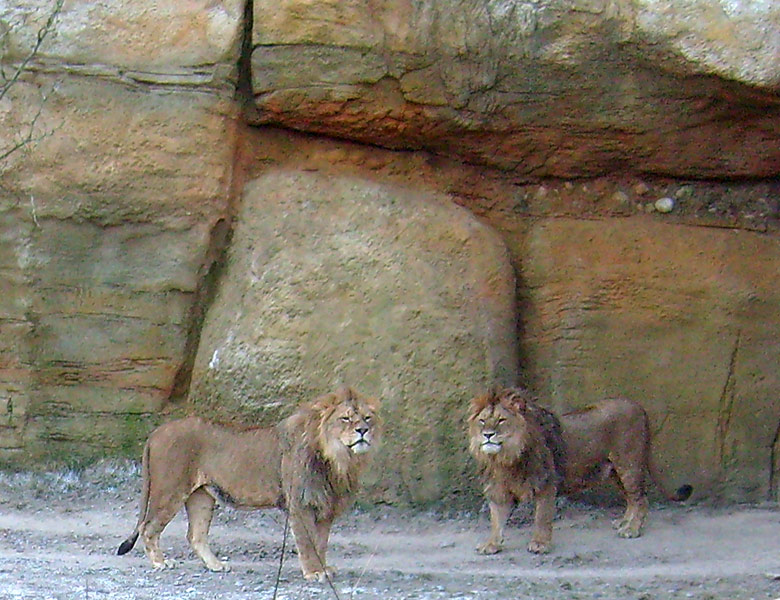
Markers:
point(59, 534)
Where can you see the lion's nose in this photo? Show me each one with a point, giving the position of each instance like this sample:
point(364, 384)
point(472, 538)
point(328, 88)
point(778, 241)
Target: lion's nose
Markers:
point(488, 434)
point(362, 430)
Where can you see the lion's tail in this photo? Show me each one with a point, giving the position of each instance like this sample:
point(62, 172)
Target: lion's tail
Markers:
point(128, 544)
point(682, 493)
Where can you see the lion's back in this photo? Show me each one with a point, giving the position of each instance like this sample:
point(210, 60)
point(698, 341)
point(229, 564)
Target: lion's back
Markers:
point(608, 417)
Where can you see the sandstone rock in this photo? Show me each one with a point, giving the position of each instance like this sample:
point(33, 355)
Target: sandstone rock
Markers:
point(369, 274)
point(682, 319)
point(341, 280)
point(106, 225)
point(549, 88)
point(734, 39)
point(152, 36)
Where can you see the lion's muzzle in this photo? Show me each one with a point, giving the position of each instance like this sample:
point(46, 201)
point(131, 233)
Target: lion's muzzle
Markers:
point(359, 446)
point(489, 444)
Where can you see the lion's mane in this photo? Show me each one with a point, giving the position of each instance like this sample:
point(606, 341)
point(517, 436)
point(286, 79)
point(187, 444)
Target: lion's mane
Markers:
point(316, 472)
point(542, 458)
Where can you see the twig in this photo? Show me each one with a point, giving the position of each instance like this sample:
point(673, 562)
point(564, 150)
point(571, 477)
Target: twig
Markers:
point(363, 571)
point(281, 556)
point(32, 210)
point(43, 33)
point(330, 581)
point(18, 71)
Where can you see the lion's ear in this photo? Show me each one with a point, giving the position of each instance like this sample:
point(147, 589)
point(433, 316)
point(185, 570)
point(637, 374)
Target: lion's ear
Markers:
point(345, 394)
point(519, 404)
point(474, 409)
point(479, 403)
point(516, 399)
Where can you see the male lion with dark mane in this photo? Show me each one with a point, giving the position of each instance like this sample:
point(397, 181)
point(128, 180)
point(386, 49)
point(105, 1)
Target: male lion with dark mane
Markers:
point(308, 464)
point(528, 453)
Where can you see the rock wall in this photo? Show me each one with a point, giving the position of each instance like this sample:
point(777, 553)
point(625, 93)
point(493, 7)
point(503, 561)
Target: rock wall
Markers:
point(682, 318)
point(582, 196)
point(108, 218)
point(544, 88)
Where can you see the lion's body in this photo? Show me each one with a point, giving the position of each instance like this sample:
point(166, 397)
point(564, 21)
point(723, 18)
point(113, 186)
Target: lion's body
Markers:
point(526, 452)
point(308, 464)
point(606, 439)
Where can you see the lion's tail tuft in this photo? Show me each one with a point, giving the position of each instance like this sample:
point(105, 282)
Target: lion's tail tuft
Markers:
point(128, 544)
point(683, 493)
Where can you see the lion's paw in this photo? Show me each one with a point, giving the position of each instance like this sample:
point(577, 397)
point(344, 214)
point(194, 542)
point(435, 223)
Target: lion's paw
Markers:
point(628, 532)
point(489, 548)
point(321, 576)
point(219, 567)
point(537, 547)
point(164, 565)
point(618, 524)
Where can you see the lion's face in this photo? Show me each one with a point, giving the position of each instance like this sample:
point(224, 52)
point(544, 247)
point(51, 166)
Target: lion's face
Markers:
point(495, 429)
point(348, 427)
point(353, 425)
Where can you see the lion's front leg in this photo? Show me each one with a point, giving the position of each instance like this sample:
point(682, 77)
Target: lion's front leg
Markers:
point(543, 518)
point(499, 514)
point(311, 539)
point(323, 533)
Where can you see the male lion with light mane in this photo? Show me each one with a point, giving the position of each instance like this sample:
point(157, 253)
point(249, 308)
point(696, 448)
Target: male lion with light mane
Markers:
point(527, 453)
point(308, 464)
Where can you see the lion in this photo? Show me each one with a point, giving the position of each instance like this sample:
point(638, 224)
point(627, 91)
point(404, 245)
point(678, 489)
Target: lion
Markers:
point(527, 453)
point(308, 465)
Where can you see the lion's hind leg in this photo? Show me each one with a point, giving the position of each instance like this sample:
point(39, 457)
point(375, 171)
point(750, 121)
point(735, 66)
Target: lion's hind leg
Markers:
point(150, 534)
point(631, 482)
point(544, 513)
point(161, 511)
point(200, 509)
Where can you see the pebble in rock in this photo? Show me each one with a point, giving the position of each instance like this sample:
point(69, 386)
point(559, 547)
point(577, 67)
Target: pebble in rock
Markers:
point(664, 205)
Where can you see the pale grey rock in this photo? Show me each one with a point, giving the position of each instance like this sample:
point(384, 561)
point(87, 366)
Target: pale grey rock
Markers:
point(664, 205)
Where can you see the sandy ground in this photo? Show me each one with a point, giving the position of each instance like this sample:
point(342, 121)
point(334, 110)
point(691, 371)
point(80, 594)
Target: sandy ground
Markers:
point(59, 534)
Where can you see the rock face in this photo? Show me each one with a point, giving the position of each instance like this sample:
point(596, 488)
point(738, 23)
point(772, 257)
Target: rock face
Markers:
point(580, 195)
point(131, 38)
point(401, 294)
point(107, 219)
point(554, 88)
point(683, 319)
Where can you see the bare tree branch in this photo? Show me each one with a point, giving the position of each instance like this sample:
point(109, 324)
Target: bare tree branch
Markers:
point(10, 77)
point(30, 136)
point(41, 36)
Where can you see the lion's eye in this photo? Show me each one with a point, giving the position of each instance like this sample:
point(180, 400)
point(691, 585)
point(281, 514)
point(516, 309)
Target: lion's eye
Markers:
point(345, 419)
point(501, 420)
point(367, 418)
point(482, 421)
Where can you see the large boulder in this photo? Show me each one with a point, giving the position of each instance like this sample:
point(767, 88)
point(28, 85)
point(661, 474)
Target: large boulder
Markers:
point(399, 293)
point(555, 88)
